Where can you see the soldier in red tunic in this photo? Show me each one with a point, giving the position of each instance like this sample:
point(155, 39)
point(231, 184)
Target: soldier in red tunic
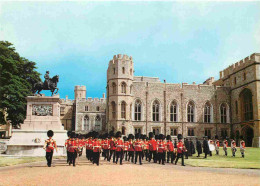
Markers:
point(138, 149)
point(49, 146)
point(233, 148)
point(242, 147)
point(217, 146)
point(145, 148)
point(161, 149)
point(119, 148)
point(126, 146)
point(180, 151)
point(105, 147)
point(131, 148)
point(225, 146)
point(152, 148)
point(72, 146)
point(96, 149)
point(170, 149)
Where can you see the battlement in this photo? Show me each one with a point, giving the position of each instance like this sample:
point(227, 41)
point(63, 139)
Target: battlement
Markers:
point(80, 87)
point(96, 100)
point(121, 57)
point(255, 57)
point(146, 79)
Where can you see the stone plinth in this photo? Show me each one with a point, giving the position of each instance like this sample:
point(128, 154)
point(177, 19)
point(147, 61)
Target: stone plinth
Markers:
point(43, 114)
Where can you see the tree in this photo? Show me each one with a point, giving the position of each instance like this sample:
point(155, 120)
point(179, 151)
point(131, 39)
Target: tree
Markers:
point(17, 76)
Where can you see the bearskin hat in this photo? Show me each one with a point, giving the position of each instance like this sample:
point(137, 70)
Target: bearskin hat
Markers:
point(137, 136)
point(73, 135)
point(151, 135)
point(105, 135)
point(118, 134)
point(130, 136)
point(179, 136)
point(160, 136)
point(169, 137)
point(156, 137)
point(144, 137)
point(125, 138)
point(50, 133)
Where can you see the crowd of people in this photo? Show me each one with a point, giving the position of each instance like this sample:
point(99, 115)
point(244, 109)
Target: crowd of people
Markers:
point(135, 148)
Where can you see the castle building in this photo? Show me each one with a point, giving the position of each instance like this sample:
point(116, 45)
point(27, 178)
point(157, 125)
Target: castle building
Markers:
point(227, 107)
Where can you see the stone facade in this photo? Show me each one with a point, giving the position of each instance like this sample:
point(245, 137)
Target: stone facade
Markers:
point(145, 104)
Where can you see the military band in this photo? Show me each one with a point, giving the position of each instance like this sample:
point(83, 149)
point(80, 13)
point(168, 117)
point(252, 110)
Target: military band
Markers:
point(157, 148)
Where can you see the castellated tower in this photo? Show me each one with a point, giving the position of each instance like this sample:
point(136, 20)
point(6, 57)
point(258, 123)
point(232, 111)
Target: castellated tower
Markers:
point(120, 75)
point(80, 92)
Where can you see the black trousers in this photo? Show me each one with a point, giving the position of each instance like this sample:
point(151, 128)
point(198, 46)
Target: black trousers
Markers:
point(73, 156)
point(153, 155)
point(170, 155)
point(145, 154)
point(180, 155)
point(112, 153)
point(87, 154)
point(131, 155)
point(138, 154)
point(186, 155)
point(49, 158)
point(120, 154)
point(125, 155)
point(68, 157)
point(106, 154)
point(206, 153)
point(161, 156)
point(96, 156)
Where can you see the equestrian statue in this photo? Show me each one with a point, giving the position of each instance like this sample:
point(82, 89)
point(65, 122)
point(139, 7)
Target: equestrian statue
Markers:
point(48, 84)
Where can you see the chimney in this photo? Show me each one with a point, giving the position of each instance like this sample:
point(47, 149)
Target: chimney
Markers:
point(104, 95)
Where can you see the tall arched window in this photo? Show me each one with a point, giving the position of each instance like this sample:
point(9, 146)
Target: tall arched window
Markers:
point(123, 70)
point(123, 88)
point(123, 110)
point(156, 110)
point(86, 123)
point(223, 113)
point(247, 105)
point(123, 130)
point(173, 112)
point(97, 123)
point(191, 112)
point(207, 113)
point(114, 88)
point(131, 89)
point(113, 104)
point(138, 110)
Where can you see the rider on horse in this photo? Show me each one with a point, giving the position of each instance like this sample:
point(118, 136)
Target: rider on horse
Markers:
point(47, 80)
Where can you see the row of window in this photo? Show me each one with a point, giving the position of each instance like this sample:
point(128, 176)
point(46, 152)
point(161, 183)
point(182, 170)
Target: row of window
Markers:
point(123, 88)
point(123, 71)
point(97, 123)
point(208, 111)
point(97, 108)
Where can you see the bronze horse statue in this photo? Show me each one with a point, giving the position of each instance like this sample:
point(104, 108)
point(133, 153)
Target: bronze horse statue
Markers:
point(38, 87)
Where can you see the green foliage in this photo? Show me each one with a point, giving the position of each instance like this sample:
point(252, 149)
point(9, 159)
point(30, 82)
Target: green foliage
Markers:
point(17, 76)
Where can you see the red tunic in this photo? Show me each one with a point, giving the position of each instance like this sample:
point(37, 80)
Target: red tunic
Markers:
point(105, 144)
point(161, 147)
point(226, 142)
point(90, 144)
point(50, 147)
point(217, 143)
point(119, 145)
point(146, 145)
point(179, 147)
point(170, 146)
point(72, 145)
point(153, 145)
point(112, 145)
point(96, 146)
point(138, 146)
point(131, 146)
point(66, 143)
point(126, 145)
point(243, 144)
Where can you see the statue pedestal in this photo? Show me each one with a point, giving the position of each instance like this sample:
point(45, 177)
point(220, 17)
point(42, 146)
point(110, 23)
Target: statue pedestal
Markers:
point(43, 114)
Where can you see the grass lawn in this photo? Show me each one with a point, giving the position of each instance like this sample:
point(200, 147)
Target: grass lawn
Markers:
point(251, 160)
point(9, 161)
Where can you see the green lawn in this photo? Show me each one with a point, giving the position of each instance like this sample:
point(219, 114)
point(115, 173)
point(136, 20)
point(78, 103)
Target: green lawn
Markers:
point(251, 160)
point(9, 161)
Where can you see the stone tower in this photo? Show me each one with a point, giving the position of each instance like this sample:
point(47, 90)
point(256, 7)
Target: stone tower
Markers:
point(80, 92)
point(120, 75)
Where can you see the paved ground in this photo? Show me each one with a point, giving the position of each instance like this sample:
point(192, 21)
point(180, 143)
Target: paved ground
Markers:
point(107, 173)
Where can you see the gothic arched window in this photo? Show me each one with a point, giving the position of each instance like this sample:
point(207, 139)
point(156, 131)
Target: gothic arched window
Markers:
point(173, 112)
point(247, 105)
point(156, 110)
point(191, 112)
point(123, 110)
point(138, 110)
point(113, 104)
point(123, 70)
point(207, 113)
point(97, 123)
point(114, 88)
point(123, 88)
point(86, 123)
point(223, 113)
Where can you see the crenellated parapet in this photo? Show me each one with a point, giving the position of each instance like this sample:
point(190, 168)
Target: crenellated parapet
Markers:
point(255, 57)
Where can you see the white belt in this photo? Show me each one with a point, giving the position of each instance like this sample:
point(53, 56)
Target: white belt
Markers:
point(96, 146)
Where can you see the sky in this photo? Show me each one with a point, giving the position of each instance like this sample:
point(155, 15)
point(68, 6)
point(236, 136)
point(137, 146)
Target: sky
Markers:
point(177, 41)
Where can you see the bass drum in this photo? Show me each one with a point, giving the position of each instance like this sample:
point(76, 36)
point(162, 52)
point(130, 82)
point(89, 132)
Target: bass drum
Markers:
point(211, 147)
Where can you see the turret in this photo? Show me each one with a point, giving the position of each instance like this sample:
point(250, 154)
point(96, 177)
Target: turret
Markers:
point(80, 92)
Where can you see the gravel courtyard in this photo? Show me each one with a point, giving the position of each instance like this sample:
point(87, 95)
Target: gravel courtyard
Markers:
point(107, 173)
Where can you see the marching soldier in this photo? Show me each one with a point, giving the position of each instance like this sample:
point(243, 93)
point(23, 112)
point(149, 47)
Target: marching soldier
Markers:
point(225, 146)
point(72, 146)
point(138, 149)
point(217, 147)
point(145, 148)
point(233, 148)
point(126, 146)
point(242, 148)
point(119, 148)
point(131, 148)
point(180, 151)
point(198, 146)
point(205, 147)
point(170, 150)
point(49, 147)
point(152, 148)
point(96, 149)
point(161, 149)
point(112, 149)
point(186, 143)
point(105, 147)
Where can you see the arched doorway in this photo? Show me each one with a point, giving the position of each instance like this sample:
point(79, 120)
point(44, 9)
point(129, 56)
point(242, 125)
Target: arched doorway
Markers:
point(248, 135)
